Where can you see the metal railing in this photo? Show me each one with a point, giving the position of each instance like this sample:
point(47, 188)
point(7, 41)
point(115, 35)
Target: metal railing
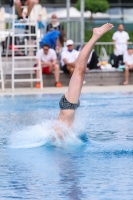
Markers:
point(74, 34)
point(107, 46)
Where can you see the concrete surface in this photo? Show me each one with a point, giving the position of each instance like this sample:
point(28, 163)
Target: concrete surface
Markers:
point(92, 77)
point(53, 90)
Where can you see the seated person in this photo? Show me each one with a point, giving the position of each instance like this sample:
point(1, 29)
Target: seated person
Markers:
point(128, 60)
point(116, 61)
point(20, 3)
point(68, 57)
point(48, 60)
point(93, 59)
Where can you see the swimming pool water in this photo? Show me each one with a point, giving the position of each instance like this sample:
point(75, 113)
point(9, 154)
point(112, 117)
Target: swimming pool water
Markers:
point(94, 162)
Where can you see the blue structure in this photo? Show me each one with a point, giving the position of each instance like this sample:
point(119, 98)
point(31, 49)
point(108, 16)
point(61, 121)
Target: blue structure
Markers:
point(50, 38)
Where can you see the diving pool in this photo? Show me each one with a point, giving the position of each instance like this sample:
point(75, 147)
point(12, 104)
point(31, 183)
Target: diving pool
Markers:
point(94, 162)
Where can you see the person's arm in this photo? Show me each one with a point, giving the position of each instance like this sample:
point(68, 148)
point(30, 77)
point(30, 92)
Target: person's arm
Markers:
point(114, 41)
point(38, 57)
point(46, 63)
point(72, 64)
point(54, 61)
point(42, 62)
point(128, 38)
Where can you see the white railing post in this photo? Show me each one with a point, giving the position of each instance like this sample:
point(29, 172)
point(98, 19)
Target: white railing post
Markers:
point(68, 18)
point(82, 21)
point(13, 42)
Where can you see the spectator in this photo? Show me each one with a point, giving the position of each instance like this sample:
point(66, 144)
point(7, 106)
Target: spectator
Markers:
point(68, 57)
point(120, 39)
point(54, 25)
point(36, 12)
point(128, 60)
point(51, 39)
point(48, 60)
point(20, 3)
point(93, 59)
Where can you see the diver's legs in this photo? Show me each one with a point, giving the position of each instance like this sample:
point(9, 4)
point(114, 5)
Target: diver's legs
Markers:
point(76, 81)
point(75, 85)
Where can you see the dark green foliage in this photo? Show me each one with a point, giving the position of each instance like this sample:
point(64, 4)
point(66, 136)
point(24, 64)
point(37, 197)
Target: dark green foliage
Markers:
point(94, 5)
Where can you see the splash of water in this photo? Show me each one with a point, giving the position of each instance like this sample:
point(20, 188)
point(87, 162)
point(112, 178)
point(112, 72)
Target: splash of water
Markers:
point(44, 134)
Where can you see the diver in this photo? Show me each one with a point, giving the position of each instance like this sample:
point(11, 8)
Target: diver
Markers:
point(70, 101)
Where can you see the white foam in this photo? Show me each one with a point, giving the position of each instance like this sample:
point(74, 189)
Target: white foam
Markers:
point(43, 133)
point(30, 136)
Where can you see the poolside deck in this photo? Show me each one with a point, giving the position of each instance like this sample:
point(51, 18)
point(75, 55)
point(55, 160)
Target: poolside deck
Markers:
point(53, 90)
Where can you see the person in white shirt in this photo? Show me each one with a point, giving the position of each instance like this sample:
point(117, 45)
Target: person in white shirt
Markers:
point(120, 39)
point(128, 60)
point(68, 57)
point(48, 60)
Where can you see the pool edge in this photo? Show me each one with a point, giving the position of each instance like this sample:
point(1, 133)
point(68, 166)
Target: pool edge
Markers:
point(53, 90)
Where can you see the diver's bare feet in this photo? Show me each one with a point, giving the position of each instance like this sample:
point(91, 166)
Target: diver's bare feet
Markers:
point(98, 32)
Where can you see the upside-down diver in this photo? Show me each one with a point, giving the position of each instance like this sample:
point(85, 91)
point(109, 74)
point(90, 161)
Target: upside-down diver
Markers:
point(69, 102)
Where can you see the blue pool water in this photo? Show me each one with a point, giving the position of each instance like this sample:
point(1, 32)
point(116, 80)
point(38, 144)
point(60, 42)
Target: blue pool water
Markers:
point(95, 160)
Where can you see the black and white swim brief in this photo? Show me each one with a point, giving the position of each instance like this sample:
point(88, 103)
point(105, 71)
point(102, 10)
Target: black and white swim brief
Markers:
point(66, 105)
